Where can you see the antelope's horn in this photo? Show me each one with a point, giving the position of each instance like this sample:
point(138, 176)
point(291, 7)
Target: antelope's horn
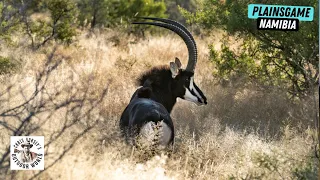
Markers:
point(182, 32)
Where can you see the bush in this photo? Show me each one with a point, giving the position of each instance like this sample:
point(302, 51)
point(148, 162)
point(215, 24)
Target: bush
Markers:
point(6, 65)
point(270, 57)
point(112, 13)
point(42, 21)
point(60, 26)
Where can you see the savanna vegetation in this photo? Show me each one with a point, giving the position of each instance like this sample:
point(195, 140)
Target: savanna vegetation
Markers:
point(68, 68)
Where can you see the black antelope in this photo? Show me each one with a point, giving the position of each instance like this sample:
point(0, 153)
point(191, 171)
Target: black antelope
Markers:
point(146, 120)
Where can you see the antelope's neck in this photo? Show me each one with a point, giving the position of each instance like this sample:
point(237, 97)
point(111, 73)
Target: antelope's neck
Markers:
point(166, 99)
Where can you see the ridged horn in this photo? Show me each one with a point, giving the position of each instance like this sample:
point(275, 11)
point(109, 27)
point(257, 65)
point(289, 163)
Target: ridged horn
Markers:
point(182, 32)
point(169, 21)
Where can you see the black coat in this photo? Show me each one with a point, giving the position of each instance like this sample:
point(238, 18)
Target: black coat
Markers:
point(140, 111)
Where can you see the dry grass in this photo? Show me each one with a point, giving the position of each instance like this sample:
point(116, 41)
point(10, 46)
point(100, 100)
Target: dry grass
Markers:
point(243, 133)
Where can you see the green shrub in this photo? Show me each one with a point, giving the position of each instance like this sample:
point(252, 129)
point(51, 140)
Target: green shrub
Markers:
point(269, 56)
point(111, 13)
point(6, 65)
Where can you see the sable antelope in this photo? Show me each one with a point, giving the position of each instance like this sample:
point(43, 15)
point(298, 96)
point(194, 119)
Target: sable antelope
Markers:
point(147, 119)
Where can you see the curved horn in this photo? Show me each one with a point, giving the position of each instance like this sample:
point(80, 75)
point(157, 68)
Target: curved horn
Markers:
point(169, 21)
point(182, 32)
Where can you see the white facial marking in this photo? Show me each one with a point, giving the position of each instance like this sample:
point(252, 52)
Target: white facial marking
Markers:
point(191, 83)
point(194, 89)
point(189, 96)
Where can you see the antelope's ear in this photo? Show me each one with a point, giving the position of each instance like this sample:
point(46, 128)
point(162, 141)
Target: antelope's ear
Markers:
point(178, 63)
point(174, 69)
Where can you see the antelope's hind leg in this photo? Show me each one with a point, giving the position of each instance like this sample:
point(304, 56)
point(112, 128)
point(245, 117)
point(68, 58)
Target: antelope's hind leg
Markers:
point(154, 135)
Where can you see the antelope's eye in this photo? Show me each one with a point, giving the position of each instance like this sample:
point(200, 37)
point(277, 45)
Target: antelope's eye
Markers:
point(188, 80)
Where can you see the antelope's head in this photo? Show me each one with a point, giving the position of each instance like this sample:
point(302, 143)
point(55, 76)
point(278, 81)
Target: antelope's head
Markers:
point(183, 85)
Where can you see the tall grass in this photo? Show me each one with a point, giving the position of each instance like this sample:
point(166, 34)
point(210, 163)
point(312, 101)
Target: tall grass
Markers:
point(243, 132)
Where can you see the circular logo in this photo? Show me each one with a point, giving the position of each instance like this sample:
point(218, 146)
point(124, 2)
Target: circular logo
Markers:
point(27, 153)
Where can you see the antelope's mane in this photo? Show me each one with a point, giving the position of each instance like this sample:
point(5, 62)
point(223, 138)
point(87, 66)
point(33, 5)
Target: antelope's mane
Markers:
point(157, 75)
